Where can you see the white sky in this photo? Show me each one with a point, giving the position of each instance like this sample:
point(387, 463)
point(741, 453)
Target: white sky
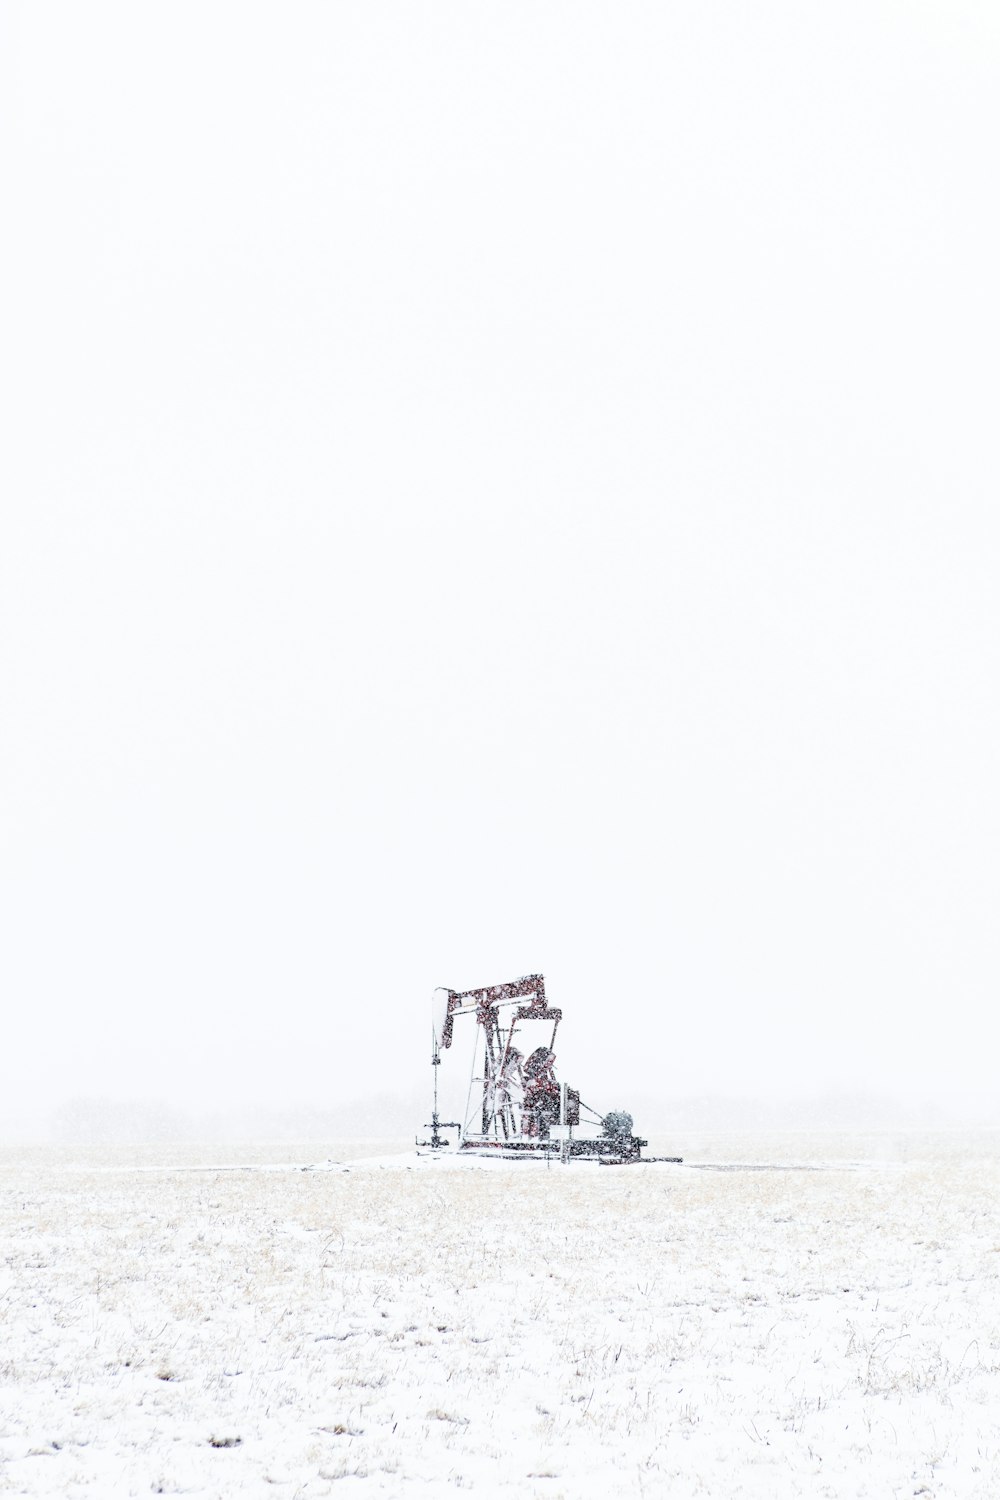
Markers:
point(494, 488)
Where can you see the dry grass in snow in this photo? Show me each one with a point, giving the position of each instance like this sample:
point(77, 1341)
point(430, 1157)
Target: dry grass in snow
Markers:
point(577, 1332)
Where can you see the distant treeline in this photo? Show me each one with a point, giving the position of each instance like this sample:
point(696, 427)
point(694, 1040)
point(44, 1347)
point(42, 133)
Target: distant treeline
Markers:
point(396, 1118)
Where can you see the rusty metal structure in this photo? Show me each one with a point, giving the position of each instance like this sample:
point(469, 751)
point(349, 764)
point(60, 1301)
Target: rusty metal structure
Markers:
point(515, 1107)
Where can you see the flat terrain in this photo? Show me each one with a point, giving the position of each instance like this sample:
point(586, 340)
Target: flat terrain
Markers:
point(177, 1321)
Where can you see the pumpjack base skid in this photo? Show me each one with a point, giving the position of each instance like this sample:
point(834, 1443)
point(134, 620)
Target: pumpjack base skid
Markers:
point(597, 1147)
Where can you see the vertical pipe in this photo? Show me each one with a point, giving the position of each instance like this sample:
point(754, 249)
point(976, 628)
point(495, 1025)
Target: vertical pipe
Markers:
point(472, 1079)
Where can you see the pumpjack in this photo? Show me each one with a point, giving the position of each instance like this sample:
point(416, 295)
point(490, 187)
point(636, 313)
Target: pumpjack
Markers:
point(515, 1107)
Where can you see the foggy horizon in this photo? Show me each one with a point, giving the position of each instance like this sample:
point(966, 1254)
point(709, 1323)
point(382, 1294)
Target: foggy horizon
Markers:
point(399, 1116)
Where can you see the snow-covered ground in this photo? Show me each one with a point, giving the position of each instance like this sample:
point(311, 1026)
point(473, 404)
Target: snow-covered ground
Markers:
point(206, 1322)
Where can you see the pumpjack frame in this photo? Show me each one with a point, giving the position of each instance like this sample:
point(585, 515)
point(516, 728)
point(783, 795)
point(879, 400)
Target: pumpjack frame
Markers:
point(515, 1108)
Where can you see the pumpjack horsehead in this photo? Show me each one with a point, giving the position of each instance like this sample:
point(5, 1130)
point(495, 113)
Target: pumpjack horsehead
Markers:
point(515, 1106)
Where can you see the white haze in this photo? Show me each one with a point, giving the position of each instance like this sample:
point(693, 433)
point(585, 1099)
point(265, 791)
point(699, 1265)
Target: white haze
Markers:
point(491, 489)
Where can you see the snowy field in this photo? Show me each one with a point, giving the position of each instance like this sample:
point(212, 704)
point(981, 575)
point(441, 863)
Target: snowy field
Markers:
point(177, 1321)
